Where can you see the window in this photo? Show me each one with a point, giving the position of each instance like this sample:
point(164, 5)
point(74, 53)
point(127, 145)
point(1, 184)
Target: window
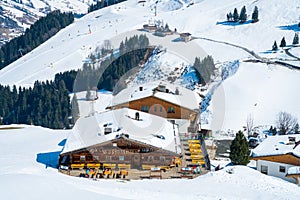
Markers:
point(171, 110)
point(145, 108)
point(96, 158)
point(82, 158)
point(108, 158)
point(161, 109)
point(282, 169)
point(155, 109)
point(150, 158)
point(264, 169)
point(145, 150)
point(162, 159)
point(121, 158)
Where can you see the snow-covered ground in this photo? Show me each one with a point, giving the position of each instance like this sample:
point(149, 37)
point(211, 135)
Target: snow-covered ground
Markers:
point(26, 156)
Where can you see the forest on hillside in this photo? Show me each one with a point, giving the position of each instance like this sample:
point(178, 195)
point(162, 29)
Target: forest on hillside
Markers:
point(132, 52)
point(102, 4)
point(39, 32)
point(46, 104)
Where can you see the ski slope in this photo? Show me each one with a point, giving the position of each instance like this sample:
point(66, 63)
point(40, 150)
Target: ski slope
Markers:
point(26, 156)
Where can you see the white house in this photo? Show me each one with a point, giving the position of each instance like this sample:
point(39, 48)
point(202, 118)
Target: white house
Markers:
point(278, 156)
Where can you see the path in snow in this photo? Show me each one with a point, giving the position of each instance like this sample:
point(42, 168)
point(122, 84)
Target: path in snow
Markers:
point(259, 58)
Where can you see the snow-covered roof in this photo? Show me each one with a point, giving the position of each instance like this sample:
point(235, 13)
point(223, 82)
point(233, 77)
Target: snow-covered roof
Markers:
point(293, 170)
point(172, 93)
point(89, 131)
point(277, 145)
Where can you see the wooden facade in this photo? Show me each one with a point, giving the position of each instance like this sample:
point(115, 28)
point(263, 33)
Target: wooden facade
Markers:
point(159, 107)
point(284, 158)
point(119, 151)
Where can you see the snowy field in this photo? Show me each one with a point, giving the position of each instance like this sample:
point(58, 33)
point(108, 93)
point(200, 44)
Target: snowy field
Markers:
point(26, 156)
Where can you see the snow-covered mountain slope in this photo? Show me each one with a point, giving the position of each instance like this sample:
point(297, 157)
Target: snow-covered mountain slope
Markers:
point(27, 154)
point(205, 19)
point(17, 15)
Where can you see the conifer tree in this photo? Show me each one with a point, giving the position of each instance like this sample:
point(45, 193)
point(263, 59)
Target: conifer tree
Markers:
point(243, 15)
point(296, 129)
point(282, 43)
point(75, 108)
point(296, 39)
point(239, 150)
point(235, 15)
point(230, 16)
point(255, 15)
point(275, 47)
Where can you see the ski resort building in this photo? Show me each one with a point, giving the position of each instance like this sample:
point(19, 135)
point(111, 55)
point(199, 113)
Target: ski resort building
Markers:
point(185, 37)
point(122, 137)
point(279, 156)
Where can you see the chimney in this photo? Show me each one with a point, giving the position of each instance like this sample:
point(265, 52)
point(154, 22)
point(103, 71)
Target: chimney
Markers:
point(177, 91)
point(137, 116)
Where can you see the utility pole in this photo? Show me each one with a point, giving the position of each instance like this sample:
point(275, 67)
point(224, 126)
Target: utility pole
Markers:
point(90, 31)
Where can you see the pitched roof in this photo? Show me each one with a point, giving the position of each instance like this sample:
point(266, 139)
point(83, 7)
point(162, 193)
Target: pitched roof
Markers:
point(293, 171)
point(150, 129)
point(277, 145)
point(162, 90)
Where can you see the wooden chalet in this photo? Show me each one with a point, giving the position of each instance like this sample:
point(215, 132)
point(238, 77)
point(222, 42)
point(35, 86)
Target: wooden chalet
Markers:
point(121, 138)
point(149, 28)
point(276, 155)
point(161, 99)
point(118, 152)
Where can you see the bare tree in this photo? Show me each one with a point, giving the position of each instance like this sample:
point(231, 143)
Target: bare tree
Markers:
point(250, 124)
point(286, 122)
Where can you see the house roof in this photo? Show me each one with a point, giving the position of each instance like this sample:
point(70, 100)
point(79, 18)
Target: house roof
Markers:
point(185, 98)
point(185, 34)
point(150, 129)
point(293, 171)
point(277, 145)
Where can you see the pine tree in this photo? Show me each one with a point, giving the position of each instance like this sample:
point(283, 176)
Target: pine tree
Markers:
point(296, 129)
point(243, 15)
point(239, 150)
point(282, 43)
point(235, 15)
point(275, 47)
point(230, 16)
point(255, 15)
point(296, 39)
point(75, 108)
point(167, 27)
